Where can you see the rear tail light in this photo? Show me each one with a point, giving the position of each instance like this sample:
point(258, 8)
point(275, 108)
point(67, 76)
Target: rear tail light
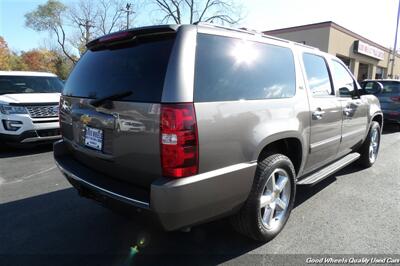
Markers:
point(395, 98)
point(110, 38)
point(179, 140)
point(119, 36)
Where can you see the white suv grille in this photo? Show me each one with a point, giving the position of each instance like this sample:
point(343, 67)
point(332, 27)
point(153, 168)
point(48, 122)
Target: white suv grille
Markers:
point(43, 111)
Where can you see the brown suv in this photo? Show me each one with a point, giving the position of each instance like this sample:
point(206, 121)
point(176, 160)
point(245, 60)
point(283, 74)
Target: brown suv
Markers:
point(197, 122)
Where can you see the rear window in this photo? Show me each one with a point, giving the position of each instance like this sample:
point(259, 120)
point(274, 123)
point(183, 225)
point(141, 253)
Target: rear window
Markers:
point(139, 67)
point(229, 69)
point(29, 84)
point(390, 87)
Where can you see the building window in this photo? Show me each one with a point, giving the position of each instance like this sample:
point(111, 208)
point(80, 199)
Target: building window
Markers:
point(380, 73)
point(363, 70)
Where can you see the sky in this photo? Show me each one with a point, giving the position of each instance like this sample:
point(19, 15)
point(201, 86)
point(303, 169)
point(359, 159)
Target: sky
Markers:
point(373, 19)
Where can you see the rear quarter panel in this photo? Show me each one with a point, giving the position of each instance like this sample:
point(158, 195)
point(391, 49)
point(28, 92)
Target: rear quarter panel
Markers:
point(237, 131)
point(374, 108)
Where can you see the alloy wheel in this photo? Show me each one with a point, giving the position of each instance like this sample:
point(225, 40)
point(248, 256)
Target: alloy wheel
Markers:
point(274, 200)
point(373, 146)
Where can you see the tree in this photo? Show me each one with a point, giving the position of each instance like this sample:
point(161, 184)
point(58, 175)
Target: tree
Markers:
point(39, 60)
point(16, 63)
point(50, 17)
point(111, 16)
point(194, 11)
point(4, 55)
point(83, 16)
point(82, 22)
point(62, 64)
point(44, 60)
point(96, 18)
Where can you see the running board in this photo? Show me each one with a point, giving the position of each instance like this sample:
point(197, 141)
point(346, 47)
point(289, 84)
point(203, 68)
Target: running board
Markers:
point(329, 170)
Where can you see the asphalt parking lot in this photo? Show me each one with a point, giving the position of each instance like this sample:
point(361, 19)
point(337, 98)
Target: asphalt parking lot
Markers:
point(43, 220)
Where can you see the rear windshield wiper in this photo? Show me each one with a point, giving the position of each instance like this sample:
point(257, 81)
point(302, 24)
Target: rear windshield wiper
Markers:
point(116, 96)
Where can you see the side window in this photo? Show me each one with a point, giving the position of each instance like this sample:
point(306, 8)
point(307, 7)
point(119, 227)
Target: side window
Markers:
point(317, 75)
point(342, 80)
point(371, 87)
point(391, 87)
point(229, 69)
point(368, 86)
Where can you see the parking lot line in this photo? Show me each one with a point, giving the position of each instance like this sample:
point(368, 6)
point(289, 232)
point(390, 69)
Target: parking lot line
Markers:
point(28, 176)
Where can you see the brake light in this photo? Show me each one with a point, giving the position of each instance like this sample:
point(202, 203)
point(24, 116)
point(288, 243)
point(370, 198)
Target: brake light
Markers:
point(116, 37)
point(395, 98)
point(178, 140)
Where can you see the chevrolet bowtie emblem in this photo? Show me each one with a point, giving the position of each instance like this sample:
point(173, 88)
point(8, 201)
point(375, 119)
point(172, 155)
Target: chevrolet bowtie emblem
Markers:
point(85, 119)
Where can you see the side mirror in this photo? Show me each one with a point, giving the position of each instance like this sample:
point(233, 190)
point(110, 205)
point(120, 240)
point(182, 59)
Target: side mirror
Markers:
point(345, 92)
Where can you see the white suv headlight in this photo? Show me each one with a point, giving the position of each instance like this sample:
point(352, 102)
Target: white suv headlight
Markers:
point(12, 110)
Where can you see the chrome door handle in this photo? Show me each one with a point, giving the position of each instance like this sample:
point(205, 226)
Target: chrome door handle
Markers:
point(318, 114)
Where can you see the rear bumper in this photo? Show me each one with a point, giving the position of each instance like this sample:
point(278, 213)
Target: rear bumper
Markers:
point(176, 203)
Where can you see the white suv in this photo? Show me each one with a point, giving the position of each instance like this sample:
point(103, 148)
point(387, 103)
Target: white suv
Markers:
point(29, 106)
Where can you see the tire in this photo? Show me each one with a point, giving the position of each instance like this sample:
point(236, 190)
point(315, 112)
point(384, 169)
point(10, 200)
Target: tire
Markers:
point(249, 220)
point(371, 142)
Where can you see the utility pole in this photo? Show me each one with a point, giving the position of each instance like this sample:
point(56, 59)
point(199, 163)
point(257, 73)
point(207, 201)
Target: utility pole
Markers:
point(395, 42)
point(128, 11)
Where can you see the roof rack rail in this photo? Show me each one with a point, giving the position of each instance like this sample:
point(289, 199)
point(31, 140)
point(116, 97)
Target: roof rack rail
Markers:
point(306, 46)
point(242, 30)
point(274, 38)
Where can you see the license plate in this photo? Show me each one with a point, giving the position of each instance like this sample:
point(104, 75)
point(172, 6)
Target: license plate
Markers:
point(94, 138)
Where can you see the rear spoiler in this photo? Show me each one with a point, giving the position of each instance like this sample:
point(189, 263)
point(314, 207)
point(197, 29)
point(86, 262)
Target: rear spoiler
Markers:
point(127, 35)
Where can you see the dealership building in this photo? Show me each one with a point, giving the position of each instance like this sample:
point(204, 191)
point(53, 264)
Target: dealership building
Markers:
point(365, 58)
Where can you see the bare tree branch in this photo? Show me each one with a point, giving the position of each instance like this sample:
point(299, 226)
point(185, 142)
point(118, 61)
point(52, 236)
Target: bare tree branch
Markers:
point(193, 11)
point(94, 18)
point(208, 5)
point(166, 7)
point(83, 16)
point(176, 4)
point(223, 18)
point(190, 4)
point(61, 42)
point(110, 15)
